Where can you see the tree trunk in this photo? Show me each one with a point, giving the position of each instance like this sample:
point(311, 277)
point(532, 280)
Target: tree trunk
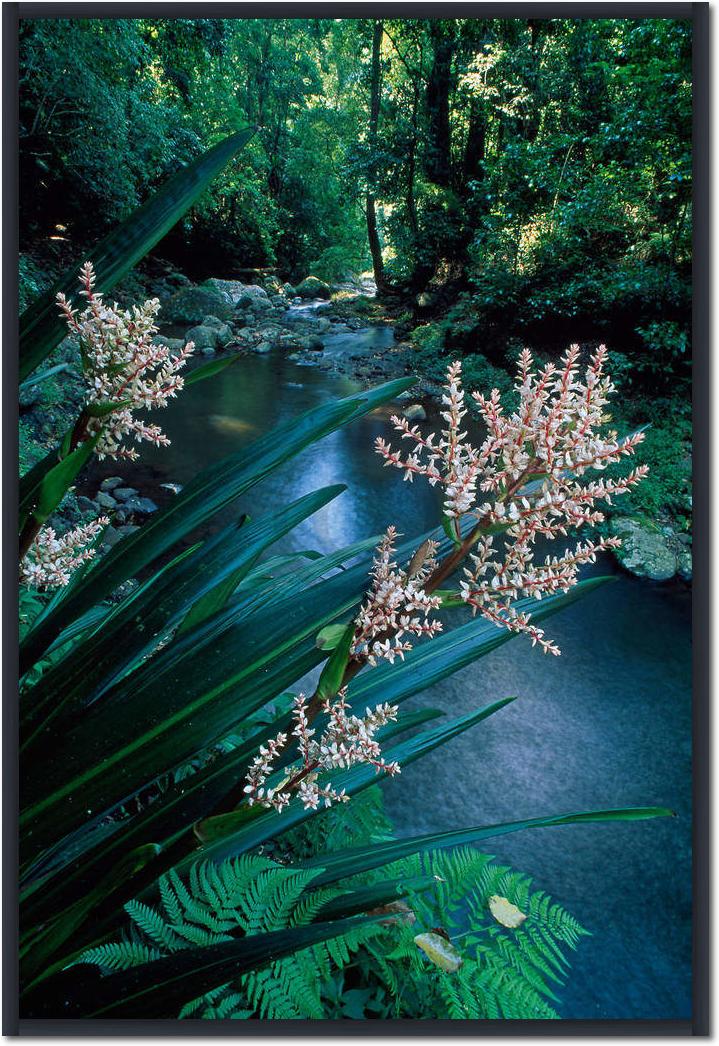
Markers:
point(411, 164)
point(439, 167)
point(475, 147)
point(372, 233)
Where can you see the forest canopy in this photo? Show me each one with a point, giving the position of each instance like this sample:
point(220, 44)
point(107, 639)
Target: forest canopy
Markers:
point(539, 171)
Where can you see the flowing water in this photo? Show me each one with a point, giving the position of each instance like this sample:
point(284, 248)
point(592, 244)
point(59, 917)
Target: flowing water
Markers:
point(607, 724)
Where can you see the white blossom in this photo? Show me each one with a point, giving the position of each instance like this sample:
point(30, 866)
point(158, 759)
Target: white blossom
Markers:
point(346, 740)
point(532, 465)
point(52, 559)
point(122, 367)
point(396, 605)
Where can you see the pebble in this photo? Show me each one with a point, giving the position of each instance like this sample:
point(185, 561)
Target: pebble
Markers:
point(124, 493)
point(105, 500)
point(127, 528)
point(174, 488)
point(111, 482)
point(87, 504)
point(140, 506)
point(110, 537)
point(415, 412)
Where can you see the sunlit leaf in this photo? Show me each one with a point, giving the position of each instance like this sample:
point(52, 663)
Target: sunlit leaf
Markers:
point(506, 913)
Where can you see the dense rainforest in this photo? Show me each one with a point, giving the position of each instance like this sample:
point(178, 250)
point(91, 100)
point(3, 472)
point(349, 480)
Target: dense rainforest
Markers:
point(508, 181)
point(340, 254)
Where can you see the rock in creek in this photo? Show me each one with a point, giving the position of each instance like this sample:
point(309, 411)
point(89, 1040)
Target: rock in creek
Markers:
point(124, 493)
point(645, 551)
point(311, 287)
point(192, 304)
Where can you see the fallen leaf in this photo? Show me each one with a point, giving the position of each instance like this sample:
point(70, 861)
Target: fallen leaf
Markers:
point(396, 912)
point(439, 951)
point(505, 912)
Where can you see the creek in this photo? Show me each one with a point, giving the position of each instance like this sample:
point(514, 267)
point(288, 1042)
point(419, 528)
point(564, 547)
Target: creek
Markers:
point(607, 724)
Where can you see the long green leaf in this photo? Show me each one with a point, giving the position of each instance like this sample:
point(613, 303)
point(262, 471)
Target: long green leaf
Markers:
point(353, 780)
point(45, 486)
point(367, 898)
point(132, 631)
point(431, 662)
point(209, 370)
point(344, 863)
point(211, 491)
point(41, 328)
point(158, 989)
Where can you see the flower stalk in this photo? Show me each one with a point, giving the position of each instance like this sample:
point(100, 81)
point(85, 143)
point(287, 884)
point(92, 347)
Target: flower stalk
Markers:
point(524, 482)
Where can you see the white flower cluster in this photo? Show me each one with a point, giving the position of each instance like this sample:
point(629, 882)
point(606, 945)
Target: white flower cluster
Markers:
point(531, 462)
point(124, 367)
point(52, 559)
point(346, 740)
point(450, 461)
point(396, 605)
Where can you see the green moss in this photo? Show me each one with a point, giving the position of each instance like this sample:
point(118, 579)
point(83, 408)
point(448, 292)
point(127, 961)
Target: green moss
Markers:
point(666, 492)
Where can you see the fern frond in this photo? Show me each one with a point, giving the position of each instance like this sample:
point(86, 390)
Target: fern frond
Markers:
point(120, 955)
point(153, 925)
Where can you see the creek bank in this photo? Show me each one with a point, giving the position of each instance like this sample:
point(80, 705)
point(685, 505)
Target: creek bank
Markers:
point(226, 315)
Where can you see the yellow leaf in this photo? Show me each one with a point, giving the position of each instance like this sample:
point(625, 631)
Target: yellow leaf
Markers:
point(505, 912)
point(439, 951)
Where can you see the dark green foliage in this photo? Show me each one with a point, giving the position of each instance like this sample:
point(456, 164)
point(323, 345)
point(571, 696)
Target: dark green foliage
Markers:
point(248, 896)
point(505, 973)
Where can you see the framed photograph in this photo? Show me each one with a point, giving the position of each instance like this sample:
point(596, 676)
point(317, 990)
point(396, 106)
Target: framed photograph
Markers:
point(361, 357)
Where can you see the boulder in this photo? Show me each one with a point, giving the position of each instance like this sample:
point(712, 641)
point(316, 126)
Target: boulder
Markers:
point(311, 287)
point(645, 551)
point(203, 337)
point(247, 294)
point(175, 345)
point(245, 334)
point(256, 305)
point(87, 505)
point(127, 528)
point(312, 344)
point(279, 301)
point(224, 330)
point(289, 290)
point(110, 537)
point(263, 348)
point(111, 482)
point(272, 284)
point(192, 304)
point(233, 291)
